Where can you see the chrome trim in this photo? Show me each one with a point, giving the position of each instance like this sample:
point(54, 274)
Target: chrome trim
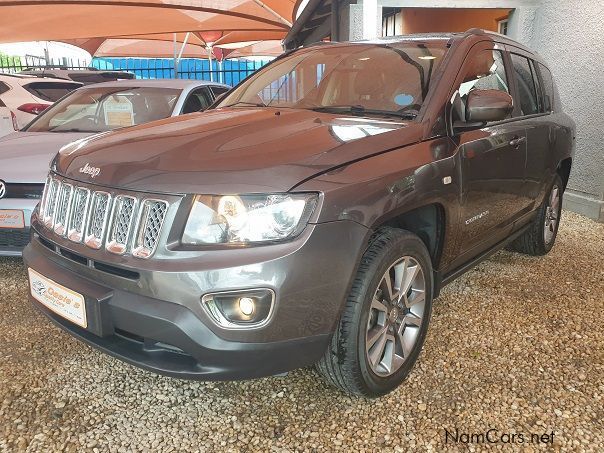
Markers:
point(72, 233)
point(60, 224)
point(139, 249)
point(218, 318)
point(112, 245)
point(90, 239)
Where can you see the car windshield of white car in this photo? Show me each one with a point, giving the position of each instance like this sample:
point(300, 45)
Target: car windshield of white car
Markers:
point(100, 109)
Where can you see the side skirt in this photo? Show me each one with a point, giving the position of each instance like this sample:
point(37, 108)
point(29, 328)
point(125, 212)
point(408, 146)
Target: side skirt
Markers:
point(441, 280)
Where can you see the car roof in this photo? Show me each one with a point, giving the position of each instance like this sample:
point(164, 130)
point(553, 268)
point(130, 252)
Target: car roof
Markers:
point(473, 33)
point(160, 83)
point(22, 79)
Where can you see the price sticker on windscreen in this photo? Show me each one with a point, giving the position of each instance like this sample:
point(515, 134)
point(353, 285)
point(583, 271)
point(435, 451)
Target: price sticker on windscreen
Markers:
point(118, 112)
point(11, 218)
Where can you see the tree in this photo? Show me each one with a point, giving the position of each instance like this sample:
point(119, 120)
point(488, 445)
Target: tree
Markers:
point(7, 60)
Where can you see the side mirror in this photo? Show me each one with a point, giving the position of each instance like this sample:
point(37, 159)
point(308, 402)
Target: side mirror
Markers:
point(484, 106)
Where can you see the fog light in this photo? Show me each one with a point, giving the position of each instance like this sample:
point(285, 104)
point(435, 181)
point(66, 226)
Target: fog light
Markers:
point(247, 306)
point(240, 309)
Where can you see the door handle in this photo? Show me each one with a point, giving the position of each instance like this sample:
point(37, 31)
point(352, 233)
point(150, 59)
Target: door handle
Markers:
point(516, 142)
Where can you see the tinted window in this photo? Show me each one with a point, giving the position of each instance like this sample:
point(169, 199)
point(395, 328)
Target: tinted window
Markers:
point(50, 91)
point(2, 104)
point(3, 87)
point(547, 86)
point(197, 101)
point(219, 90)
point(526, 85)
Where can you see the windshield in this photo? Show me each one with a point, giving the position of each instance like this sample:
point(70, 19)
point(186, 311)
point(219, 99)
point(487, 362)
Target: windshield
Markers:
point(356, 79)
point(100, 109)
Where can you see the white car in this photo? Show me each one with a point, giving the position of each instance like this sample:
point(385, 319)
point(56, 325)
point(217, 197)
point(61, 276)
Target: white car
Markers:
point(27, 96)
point(92, 109)
point(8, 120)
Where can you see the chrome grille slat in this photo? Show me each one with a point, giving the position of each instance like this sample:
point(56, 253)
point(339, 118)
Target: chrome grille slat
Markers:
point(79, 210)
point(99, 211)
point(62, 209)
point(121, 222)
point(151, 221)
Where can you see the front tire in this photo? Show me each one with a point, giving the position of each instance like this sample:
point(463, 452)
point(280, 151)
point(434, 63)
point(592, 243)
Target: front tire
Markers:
point(385, 321)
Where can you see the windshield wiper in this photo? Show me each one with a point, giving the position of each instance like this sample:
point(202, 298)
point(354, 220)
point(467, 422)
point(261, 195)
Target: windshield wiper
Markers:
point(253, 104)
point(362, 111)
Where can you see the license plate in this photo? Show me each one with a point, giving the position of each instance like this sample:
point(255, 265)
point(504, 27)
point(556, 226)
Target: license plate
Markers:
point(63, 301)
point(12, 218)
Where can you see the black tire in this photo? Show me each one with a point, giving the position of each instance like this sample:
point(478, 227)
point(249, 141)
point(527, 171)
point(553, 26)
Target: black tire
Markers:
point(345, 364)
point(534, 241)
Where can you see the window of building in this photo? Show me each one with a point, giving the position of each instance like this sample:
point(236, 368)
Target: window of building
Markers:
point(527, 90)
point(502, 26)
point(392, 22)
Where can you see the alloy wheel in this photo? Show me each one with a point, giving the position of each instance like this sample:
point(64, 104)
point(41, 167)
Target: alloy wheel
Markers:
point(396, 316)
point(552, 212)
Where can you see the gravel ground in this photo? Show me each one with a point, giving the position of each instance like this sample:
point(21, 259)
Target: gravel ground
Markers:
point(515, 346)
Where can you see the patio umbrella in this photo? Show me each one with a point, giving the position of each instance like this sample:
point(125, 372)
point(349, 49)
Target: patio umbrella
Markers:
point(95, 20)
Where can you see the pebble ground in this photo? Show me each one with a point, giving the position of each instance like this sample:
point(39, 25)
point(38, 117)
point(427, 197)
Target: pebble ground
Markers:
point(515, 346)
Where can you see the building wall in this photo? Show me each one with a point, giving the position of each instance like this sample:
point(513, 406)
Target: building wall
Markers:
point(568, 34)
point(421, 20)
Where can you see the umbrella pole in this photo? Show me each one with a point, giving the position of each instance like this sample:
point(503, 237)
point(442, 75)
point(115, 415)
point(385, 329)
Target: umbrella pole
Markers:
point(221, 74)
point(210, 61)
point(175, 59)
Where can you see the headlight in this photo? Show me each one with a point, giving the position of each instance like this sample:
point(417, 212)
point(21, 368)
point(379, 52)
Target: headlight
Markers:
point(232, 219)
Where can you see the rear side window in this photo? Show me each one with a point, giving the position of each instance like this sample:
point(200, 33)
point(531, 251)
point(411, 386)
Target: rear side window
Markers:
point(547, 86)
point(50, 91)
point(198, 101)
point(2, 104)
point(217, 91)
point(4, 87)
point(527, 90)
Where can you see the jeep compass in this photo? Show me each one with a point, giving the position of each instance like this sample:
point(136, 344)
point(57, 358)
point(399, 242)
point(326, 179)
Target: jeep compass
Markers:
point(311, 216)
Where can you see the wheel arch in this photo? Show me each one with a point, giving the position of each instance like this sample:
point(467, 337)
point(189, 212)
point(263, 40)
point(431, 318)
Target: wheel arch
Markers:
point(563, 170)
point(428, 222)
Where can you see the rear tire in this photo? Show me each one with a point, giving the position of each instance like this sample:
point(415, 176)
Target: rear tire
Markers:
point(385, 321)
point(539, 239)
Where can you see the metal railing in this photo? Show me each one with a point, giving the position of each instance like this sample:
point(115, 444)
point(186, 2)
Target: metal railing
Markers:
point(229, 72)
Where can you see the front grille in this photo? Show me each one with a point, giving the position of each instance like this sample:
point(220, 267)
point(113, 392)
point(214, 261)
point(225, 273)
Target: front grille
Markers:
point(14, 237)
point(97, 217)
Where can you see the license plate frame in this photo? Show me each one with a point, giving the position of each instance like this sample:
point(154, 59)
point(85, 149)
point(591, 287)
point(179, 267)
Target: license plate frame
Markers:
point(12, 219)
point(63, 301)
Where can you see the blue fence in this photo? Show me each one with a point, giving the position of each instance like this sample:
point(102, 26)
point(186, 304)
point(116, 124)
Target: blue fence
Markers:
point(230, 72)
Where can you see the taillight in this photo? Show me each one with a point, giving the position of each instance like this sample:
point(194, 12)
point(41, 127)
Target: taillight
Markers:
point(14, 118)
point(33, 108)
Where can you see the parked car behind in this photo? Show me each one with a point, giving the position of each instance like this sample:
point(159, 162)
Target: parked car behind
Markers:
point(312, 216)
point(28, 96)
point(8, 120)
point(85, 76)
point(92, 109)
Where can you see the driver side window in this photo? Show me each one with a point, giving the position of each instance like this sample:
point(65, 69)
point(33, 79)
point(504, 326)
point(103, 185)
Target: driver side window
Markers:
point(484, 71)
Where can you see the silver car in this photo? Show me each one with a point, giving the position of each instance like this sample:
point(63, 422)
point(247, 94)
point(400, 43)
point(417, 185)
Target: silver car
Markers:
point(93, 109)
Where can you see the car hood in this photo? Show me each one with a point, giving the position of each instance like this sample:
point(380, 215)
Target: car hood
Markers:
point(230, 150)
point(25, 156)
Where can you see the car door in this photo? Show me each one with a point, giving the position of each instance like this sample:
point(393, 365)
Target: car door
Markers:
point(198, 100)
point(532, 112)
point(492, 157)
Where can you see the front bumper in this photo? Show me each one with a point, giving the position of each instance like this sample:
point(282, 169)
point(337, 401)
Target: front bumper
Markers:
point(130, 319)
point(14, 240)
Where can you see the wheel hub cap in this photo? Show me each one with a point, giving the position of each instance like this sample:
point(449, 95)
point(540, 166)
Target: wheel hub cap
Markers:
point(395, 316)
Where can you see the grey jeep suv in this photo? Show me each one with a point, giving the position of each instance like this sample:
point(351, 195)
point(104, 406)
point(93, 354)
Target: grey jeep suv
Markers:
point(311, 217)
